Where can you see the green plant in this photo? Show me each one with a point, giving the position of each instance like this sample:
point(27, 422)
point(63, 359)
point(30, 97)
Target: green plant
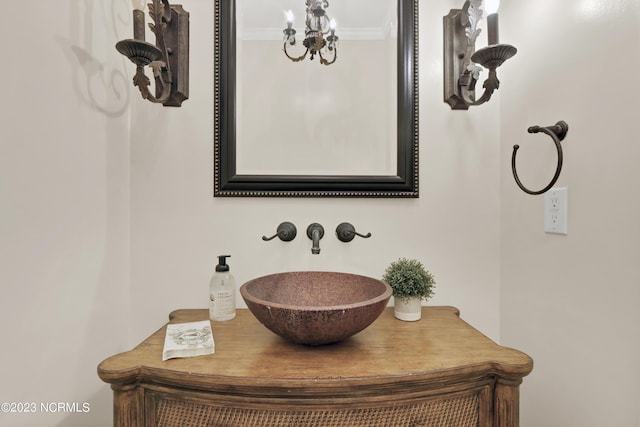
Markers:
point(408, 278)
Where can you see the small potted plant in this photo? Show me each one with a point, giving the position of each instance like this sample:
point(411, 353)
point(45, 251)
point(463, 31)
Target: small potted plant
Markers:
point(411, 284)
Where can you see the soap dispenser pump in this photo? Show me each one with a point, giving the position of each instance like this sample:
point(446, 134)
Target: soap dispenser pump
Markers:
point(222, 292)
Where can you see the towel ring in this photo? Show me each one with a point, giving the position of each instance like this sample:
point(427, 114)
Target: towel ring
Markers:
point(557, 132)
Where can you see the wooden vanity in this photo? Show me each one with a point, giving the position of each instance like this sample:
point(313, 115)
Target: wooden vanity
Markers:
point(437, 372)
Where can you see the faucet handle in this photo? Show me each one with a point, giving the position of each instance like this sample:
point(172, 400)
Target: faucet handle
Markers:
point(286, 231)
point(347, 232)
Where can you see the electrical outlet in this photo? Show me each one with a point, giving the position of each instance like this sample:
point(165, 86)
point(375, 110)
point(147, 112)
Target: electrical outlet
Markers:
point(555, 211)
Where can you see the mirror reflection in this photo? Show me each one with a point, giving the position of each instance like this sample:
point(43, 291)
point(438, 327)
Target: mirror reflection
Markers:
point(305, 117)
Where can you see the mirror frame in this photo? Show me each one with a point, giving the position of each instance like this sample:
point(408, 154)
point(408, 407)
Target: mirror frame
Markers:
point(227, 183)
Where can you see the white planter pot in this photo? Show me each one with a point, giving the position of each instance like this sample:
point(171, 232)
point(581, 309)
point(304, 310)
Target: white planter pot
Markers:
point(408, 310)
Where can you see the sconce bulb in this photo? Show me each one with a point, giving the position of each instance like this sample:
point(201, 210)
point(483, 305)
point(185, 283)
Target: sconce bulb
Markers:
point(332, 24)
point(289, 15)
point(138, 4)
point(491, 6)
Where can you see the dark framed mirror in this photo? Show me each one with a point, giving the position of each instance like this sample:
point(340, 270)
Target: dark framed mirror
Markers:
point(249, 156)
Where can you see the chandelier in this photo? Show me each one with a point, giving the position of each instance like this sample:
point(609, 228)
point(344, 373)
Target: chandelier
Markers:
point(319, 34)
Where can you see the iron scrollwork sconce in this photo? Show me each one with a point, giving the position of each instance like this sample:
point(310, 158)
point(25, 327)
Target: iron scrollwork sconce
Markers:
point(461, 71)
point(557, 133)
point(168, 58)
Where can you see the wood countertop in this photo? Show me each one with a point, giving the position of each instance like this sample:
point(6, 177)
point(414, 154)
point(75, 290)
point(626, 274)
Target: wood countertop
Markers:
point(389, 355)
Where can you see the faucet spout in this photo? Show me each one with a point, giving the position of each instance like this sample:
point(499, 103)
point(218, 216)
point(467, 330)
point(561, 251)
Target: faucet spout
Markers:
point(315, 236)
point(315, 232)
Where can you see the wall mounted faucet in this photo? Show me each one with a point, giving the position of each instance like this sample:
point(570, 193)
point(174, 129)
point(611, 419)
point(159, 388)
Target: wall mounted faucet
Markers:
point(315, 232)
point(286, 232)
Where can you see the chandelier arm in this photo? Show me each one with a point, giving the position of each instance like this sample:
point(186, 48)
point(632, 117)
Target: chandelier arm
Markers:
point(323, 61)
point(294, 59)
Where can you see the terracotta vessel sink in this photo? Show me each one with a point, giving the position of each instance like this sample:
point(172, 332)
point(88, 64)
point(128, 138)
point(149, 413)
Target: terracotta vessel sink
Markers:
point(314, 308)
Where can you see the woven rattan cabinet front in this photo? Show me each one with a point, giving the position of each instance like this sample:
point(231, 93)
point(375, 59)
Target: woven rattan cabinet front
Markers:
point(192, 410)
point(438, 372)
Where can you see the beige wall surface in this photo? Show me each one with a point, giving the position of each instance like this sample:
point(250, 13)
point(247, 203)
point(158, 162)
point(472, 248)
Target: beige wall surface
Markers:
point(572, 301)
point(108, 220)
point(64, 209)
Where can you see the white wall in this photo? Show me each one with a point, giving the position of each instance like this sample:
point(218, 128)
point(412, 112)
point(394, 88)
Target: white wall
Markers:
point(64, 228)
point(571, 302)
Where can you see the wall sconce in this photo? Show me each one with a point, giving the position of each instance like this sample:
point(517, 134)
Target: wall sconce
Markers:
point(168, 59)
point(461, 71)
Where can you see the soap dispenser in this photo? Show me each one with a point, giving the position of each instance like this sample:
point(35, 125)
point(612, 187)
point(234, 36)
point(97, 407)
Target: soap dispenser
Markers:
point(222, 292)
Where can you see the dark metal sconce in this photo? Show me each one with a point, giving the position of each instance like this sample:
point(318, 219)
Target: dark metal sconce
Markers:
point(557, 132)
point(168, 59)
point(461, 71)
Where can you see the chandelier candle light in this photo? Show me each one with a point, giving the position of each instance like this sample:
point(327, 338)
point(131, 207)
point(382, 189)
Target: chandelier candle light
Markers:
point(319, 36)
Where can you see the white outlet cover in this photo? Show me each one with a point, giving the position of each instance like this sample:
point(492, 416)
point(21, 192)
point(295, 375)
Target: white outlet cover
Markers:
point(555, 211)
